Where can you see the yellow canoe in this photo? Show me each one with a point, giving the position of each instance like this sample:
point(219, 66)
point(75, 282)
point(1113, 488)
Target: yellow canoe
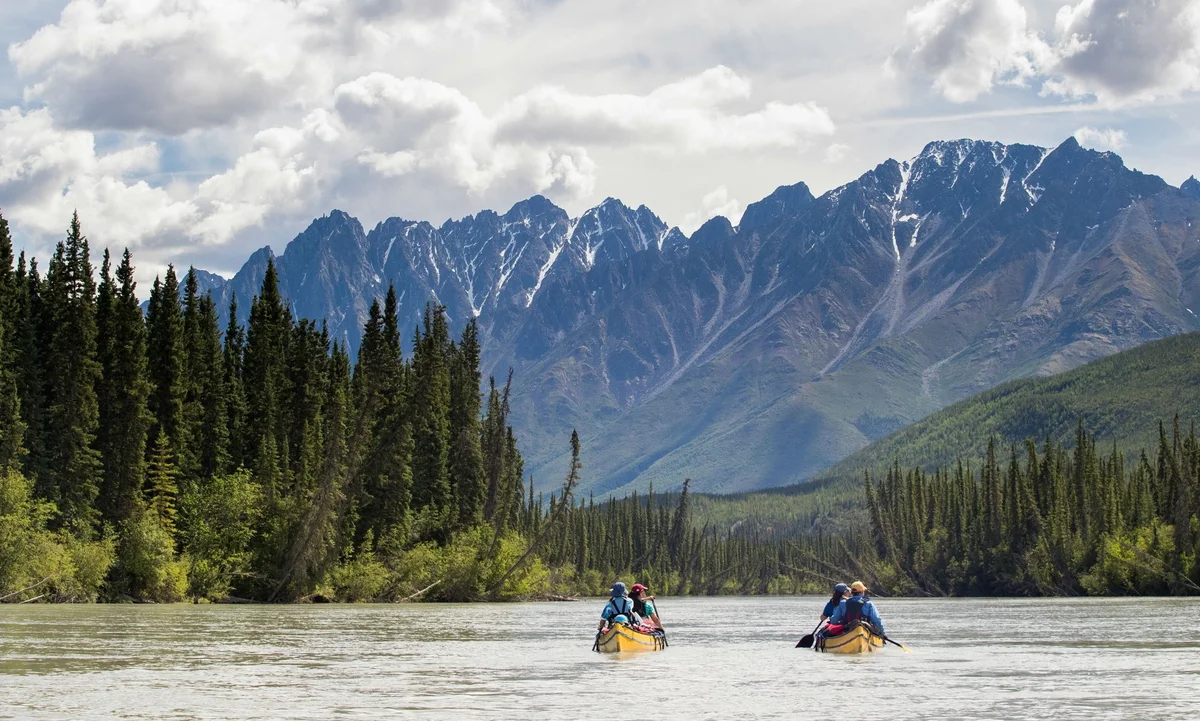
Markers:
point(620, 637)
point(860, 638)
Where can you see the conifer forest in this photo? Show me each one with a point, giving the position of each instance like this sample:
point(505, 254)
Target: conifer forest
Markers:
point(160, 457)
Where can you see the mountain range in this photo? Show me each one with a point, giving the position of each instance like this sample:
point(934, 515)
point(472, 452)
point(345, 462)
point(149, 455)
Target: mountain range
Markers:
point(757, 355)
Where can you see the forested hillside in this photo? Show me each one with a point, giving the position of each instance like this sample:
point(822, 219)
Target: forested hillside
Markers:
point(1046, 520)
point(1119, 398)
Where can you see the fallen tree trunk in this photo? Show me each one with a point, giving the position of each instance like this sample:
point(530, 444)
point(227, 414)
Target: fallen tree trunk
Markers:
point(418, 593)
point(27, 588)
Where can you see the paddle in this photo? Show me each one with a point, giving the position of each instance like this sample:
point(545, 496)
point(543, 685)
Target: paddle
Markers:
point(807, 641)
point(906, 648)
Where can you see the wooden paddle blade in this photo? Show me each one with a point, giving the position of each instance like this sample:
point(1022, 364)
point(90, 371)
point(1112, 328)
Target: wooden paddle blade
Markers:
point(806, 642)
point(906, 649)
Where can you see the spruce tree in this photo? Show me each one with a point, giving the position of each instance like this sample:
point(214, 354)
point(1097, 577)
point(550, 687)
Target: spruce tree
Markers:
point(8, 286)
point(307, 370)
point(29, 351)
point(12, 428)
point(315, 546)
point(195, 378)
point(124, 394)
point(509, 498)
point(73, 468)
point(493, 448)
point(235, 393)
point(993, 499)
point(466, 456)
point(163, 482)
point(431, 424)
point(211, 435)
point(166, 354)
point(386, 490)
point(679, 525)
point(265, 383)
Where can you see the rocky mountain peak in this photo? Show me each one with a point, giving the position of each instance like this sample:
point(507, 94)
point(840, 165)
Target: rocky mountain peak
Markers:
point(785, 201)
point(535, 206)
point(1191, 187)
point(338, 232)
point(613, 232)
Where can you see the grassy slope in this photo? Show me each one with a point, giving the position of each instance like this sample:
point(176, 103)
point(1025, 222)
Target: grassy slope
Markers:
point(1121, 397)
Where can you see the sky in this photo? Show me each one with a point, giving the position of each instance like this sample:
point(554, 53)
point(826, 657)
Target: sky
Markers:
point(195, 131)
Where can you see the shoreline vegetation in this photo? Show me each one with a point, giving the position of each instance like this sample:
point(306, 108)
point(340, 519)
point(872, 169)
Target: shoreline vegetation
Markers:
point(160, 458)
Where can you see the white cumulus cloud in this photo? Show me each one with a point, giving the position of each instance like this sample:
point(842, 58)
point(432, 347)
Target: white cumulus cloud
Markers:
point(714, 203)
point(1102, 138)
point(1114, 51)
point(836, 152)
point(688, 115)
point(170, 66)
point(969, 46)
point(195, 123)
point(46, 173)
point(1123, 51)
point(378, 137)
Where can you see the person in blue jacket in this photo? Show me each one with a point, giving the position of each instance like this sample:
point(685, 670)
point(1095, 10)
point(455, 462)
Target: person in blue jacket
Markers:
point(840, 593)
point(618, 608)
point(858, 607)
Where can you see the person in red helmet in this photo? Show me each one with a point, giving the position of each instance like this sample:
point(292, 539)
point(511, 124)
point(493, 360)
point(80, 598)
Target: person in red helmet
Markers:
point(643, 605)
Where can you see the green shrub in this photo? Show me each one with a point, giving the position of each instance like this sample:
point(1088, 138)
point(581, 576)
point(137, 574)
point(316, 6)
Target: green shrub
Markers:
point(91, 562)
point(207, 580)
point(58, 566)
point(468, 568)
point(217, 520)
point(361, 579)
point(147, 566)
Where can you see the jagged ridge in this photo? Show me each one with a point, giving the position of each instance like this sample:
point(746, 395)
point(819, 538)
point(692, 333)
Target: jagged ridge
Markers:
point(756, 355)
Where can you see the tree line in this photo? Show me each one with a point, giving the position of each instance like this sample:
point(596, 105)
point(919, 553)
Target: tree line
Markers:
point(1045, 521)
point(654, 539)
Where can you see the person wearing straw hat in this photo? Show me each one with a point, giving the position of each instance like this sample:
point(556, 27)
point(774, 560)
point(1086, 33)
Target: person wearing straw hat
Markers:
point(858, 608)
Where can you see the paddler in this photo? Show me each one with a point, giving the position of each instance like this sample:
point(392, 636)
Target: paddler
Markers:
point(840, 593)
point(857, 608)
point(643, 605)
point(618, 609)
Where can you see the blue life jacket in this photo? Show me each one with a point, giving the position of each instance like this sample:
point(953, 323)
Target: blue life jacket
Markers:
point(854, 608)
point(620, 607)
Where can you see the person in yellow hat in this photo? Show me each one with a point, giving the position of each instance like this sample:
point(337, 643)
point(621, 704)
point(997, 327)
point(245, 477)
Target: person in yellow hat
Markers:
point(858, 608)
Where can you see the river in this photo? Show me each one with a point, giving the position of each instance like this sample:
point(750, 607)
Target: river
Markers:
point(972, 658)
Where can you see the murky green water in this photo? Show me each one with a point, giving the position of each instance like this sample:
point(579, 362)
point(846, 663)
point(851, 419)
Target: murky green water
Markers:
point(979, 659)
